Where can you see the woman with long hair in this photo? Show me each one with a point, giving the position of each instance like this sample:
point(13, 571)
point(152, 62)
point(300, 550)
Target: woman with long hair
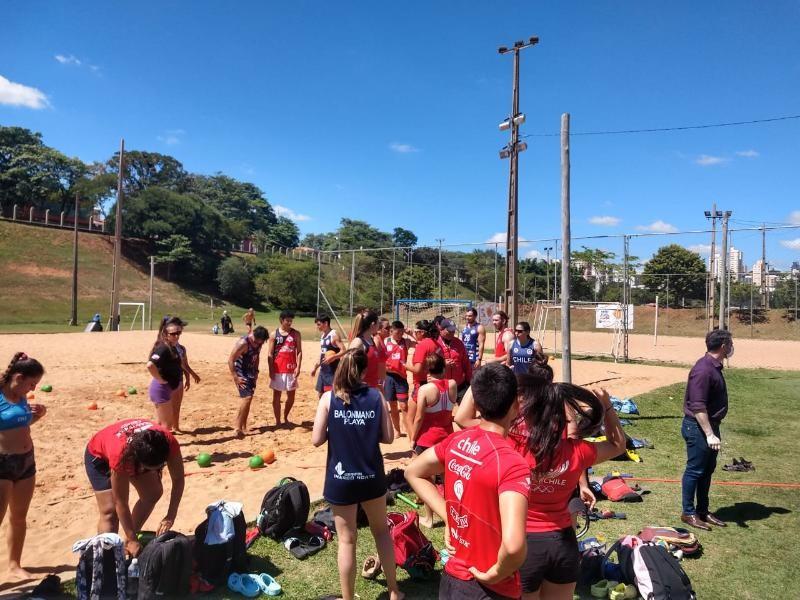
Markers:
point(365, 328)
point(354, 420)
point(133, 452)
point(166, 367)
point(17, 461)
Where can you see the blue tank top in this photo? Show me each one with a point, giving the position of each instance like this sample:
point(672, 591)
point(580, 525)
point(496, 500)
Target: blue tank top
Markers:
point(325, 344)
point(521, 356)
point(354, 471)
point(247, 364)
point(13, 415)
point(469, 335)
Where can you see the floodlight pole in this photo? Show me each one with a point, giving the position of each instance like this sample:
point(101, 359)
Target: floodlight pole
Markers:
point(566, 325)
point(73, 315)
point(723, 281)
point(440, 240)
point(714, 214)
point(114, 312)
point(513, 150)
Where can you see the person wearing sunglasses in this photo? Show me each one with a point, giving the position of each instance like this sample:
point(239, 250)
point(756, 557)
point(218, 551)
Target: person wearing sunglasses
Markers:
point(166, 367)
point(523, 349)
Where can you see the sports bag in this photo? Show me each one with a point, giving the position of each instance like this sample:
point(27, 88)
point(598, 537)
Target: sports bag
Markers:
point(283, 508)
point(659, 575)
point(101, 572)
point(412, 550)
point(165, 566)
point(216, 561)
point(617, 489)
point(618, 560)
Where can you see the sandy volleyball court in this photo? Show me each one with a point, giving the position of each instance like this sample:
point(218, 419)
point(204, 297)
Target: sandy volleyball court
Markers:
point(85, 368)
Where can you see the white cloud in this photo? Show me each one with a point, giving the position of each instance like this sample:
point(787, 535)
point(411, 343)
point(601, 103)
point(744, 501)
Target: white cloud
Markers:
point(705, 160)
point(747, 153)
point(535, 254)
point(283, 211)
point(67, 60)
point(605, 221)
point(497, 238)
point(16, 94)
point(794, 217)
point(171, 137)
point(402, 148)
point(701, 249)
point(658, 227)
point(791, 244)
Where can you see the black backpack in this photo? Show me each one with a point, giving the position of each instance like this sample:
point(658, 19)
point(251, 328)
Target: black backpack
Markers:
point(659, 575)
point(216, 561)
point(617, 564)
point(284, 507)
point(165, 566)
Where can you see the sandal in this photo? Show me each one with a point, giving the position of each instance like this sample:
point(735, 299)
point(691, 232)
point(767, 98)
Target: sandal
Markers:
point(301, 549)
point(371, 568)
point(245, 585)
point(268, 585)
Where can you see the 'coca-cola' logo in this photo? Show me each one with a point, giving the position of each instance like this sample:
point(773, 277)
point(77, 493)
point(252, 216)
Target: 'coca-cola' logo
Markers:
point(463, 471)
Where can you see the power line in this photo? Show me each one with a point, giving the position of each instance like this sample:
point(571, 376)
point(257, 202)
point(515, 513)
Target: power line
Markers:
point(663, 129)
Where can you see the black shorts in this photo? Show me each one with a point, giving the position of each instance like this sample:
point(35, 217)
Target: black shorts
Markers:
point(395, 388)
point(452, 588)
point(16, 467)
point(552, 555)
point(461, 392)
point(419, 449)
point(98, 471)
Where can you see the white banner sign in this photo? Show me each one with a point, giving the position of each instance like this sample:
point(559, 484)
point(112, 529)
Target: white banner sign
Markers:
point(609, 316)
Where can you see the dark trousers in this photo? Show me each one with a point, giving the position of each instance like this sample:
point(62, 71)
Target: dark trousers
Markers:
point(700, 464)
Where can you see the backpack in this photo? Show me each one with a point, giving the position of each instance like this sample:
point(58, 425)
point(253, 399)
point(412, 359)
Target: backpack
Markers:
point(618, 561)
point(659, 575)
point(412, 550)
point(284, 507)
point(216, 561)
point(101, 572)
point(617, 489)
point(165, 566)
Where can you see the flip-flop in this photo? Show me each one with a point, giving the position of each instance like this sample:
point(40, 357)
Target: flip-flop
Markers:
point(268, 585)
point(245, 585)
point(303, 549)
point(371, 568)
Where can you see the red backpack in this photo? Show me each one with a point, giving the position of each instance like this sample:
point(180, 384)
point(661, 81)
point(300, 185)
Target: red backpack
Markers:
point(617, 489)
point(412, 550)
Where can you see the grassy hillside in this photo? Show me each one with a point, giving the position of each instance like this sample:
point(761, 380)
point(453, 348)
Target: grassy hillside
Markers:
point(36, 282)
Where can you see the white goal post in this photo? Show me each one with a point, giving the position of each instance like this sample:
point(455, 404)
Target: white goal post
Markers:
point(138, 314)
point(411, 310)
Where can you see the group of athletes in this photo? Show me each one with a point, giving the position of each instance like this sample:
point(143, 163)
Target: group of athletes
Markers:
point(503, 437)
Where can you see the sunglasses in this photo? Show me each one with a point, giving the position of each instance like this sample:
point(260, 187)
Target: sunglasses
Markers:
point(519, 331)
point(174, 333)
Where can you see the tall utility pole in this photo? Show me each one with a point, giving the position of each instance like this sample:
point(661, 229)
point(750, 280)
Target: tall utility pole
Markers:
point(714, 214)
point(764, 290)
point(723, 280)
point(73, 315)
point(383, 269)
point(511, 151)
point(117, 265)
point(547, 271)
point(440, 240)
point(566, 330)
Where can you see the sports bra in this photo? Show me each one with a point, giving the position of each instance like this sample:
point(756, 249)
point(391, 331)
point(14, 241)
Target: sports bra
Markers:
point(14, 415)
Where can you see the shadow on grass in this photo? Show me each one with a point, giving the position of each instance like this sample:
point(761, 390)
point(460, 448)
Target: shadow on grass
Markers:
point(635, 418)
point(742, 512)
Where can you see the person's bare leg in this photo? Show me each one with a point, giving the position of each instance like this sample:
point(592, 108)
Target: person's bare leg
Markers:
point(177, 399)
point(241, 417)
point(376, 514)
point(276, 407)
point(347, 534)
point(148, 486)
point(395, 415)
point(403, 408)
point(107, 521)
point(164, 414)
point(19, 502)
point(555, 591)
point(289, 405)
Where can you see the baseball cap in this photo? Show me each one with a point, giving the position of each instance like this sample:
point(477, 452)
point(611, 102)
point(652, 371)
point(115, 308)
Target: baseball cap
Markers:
point(449, 325)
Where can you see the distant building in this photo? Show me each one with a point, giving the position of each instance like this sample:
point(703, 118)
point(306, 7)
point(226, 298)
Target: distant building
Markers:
point(770, 276)
point(736, 269)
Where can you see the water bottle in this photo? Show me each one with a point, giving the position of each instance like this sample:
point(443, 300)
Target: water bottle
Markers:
point(133, 578)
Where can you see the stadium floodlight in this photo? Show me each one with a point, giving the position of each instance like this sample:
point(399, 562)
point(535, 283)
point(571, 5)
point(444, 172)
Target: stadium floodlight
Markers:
point(707, 213)
point(519, 119)
point(502, 50)
point(519, 44)
point(522, 146)
point(505, 125)
point(505, 153)
point(534, 40)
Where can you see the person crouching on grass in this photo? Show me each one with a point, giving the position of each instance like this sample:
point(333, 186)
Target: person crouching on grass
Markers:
point(354, 420)
point(486, 494)
point(133, 452)
point(432, 414)
point(166, 367)
point(17, 461)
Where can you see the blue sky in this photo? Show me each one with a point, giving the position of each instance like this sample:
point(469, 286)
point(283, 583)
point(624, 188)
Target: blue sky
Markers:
point(388, 112)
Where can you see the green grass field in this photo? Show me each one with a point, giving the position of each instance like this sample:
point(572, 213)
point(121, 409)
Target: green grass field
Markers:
point(751, 559)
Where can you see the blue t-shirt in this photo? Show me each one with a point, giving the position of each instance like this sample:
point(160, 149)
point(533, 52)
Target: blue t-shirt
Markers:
point(469, 336)
point(13, 415)
point(354, 471)
point(521, 356)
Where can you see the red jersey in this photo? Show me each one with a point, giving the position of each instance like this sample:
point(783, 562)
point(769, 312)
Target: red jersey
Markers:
point(375, 356)
point(109, 442)
point(499, 346)
point(285, 352)
point(421, 351)
point(396, 355)
point(550, 493)
point(437, 423)
point(479, 466)
point(461, 369)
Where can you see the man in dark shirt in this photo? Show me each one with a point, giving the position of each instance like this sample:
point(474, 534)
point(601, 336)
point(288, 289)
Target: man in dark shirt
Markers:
point(704, 406)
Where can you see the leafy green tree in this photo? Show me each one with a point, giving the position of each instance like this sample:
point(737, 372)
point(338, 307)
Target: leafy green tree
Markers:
point(683, 270)
point(242, 203)
point(234, 279)
point(148, 169)
point(357, 234)
point(288, 284)
point(283, 233)
point(176, 250)
point(417, 281)
point(403, 237)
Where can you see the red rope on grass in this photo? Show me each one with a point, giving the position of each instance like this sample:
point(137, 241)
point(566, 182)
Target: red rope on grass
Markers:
point(765, 484)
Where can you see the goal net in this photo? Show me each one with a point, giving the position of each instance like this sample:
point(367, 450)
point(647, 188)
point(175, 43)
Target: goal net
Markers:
point(411, 310)
point(131, 313)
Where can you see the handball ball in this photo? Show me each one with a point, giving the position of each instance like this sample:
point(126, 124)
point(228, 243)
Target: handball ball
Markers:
point(268, 456)
point(204, 459)
point(256, 462)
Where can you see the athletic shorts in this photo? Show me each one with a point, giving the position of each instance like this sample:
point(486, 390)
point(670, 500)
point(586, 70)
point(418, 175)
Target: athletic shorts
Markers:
point(98, 471)
point(452, 588)
point(161, 392)
point(552, 555)
point(415, 390)
point(461, 392)
point(16, 467)
point(324, 381)
point(283, 382)
point(419, 449)
point(249, 387)
point(395, 388)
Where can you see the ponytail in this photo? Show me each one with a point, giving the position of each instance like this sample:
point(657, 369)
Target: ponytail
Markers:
point(429, 327)
point(348, 374)
point(22, 363)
